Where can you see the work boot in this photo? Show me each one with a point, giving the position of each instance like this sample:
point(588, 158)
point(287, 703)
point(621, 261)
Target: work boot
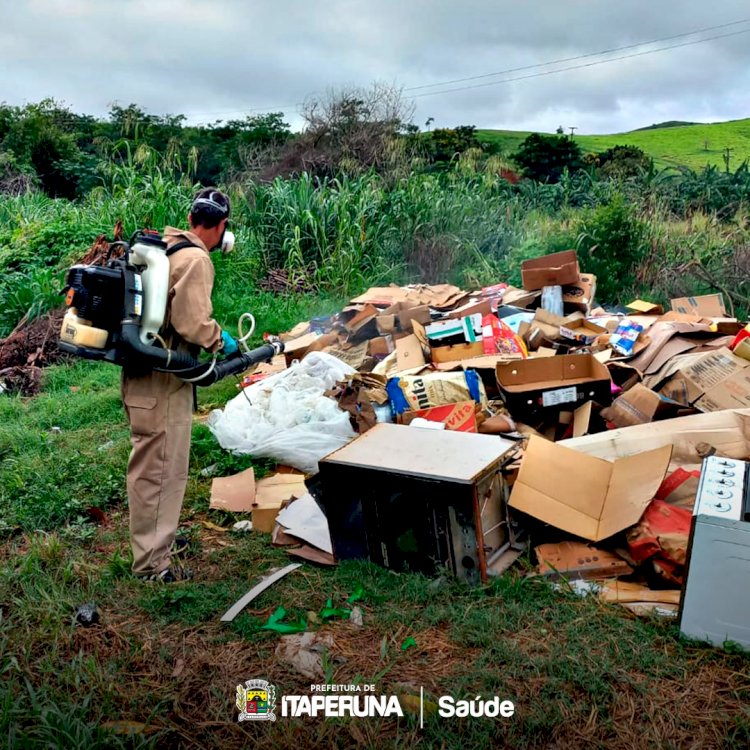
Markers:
point(172, 574)
point(180, 547)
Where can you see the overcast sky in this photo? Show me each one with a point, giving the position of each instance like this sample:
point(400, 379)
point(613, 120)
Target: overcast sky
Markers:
point(217, 59)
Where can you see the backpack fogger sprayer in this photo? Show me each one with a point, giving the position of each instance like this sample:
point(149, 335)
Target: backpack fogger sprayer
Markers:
point(115, 313)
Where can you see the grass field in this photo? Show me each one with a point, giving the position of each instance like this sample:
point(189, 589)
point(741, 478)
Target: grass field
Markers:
point(693, 146)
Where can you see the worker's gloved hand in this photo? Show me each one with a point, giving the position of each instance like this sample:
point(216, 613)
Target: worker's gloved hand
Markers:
point(230, 345)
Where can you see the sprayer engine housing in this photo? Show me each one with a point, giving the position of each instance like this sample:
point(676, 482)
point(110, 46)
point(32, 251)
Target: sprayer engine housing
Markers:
point(96, 292)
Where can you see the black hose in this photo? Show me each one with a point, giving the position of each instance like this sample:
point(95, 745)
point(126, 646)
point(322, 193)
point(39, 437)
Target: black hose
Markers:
point(234, 364)
point(190, 369)
point(166, 359)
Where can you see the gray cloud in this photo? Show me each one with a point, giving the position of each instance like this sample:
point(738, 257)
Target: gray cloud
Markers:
point(216, 60)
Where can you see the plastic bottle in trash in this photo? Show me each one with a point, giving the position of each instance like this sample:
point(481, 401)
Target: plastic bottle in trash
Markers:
point(552, 300)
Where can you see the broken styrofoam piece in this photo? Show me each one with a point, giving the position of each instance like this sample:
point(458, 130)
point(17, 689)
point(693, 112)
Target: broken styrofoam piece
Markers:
point(243, 526)
point(259, 588)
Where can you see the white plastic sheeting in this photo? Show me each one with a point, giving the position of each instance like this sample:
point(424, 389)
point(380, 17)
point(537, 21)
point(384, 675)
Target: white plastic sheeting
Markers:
point(286, 416)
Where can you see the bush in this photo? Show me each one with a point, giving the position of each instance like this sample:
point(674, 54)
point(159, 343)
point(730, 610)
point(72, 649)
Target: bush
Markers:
point(612, 242)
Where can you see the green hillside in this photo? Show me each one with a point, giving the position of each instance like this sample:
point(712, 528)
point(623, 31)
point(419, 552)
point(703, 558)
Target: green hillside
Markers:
point(690, 145)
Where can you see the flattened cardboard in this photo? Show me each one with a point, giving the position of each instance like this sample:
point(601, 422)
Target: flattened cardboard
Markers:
point(409, 353)
point(660, 348)
point(439, 296)
point(549, 382)
point(586, 496)
point(520, 297)
point(726, 432)
point(270, 493)
point(706, 306)
point(461, 417)
point(582, 419)
point(482, 307)
point(645, 308)
point(577, 560)
point(235, 493)
point(354, 356)
point(557, 269)
point(297, 348)
point(298, 331)
point(723, 378)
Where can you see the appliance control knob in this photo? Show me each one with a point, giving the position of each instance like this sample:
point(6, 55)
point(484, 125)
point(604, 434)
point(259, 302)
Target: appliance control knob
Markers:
point(721, 507)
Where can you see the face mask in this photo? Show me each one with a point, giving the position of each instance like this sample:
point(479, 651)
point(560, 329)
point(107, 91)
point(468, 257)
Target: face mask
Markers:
point(226, 242)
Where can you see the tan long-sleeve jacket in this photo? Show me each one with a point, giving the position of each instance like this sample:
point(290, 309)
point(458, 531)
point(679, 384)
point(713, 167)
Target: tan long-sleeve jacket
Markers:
point(191, 279)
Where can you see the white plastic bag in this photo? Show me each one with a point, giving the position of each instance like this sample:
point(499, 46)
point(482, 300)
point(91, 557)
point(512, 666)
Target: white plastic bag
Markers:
point(286, 416)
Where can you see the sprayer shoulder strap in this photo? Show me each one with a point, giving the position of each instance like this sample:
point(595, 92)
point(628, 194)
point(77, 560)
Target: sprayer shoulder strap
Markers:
point(180, 246)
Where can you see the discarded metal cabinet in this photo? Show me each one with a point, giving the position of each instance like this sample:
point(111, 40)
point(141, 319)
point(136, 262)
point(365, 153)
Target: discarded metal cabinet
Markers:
point(420, 500)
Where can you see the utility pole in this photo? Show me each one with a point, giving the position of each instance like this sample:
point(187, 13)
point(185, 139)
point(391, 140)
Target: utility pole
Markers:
point(573, 128)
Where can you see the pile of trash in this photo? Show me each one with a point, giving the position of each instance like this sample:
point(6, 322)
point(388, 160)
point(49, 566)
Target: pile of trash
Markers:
point(599, 418)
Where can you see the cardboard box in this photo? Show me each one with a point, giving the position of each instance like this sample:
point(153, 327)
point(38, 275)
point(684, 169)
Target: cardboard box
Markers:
point(706, 306)
point(531, 385)
point(446, 353)
point(549, 323)
point(361, 318)
point(579, 297)
point(460, 417)
point(558, 269)
point(456, 352)
point(400, 316)
point(715, 381)
point(640, 405)
point(587, 496)
point(582, 331)
point(381, 346)
point(468, 326)
point(482, 307)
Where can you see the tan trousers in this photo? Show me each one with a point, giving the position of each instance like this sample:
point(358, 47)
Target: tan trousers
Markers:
point(159, 408)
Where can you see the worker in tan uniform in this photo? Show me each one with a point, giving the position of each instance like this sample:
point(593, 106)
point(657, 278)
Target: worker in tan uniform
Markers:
point(159, 405)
